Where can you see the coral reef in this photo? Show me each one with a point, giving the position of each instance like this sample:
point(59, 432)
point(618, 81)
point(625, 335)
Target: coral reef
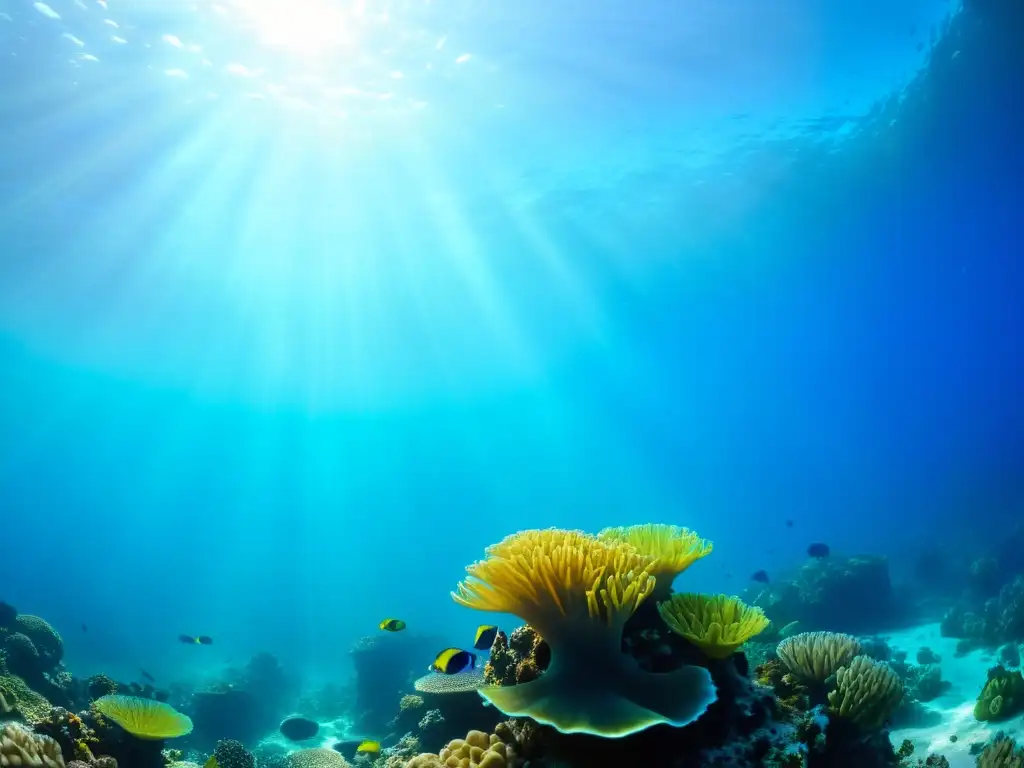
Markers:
point(588, 589)
point(672, 548)
point(517, 659)
point(315, 758)
point(816, 656)
point(852, 594)
point(1002, 752)
point(1002, 697)
point(232, 754)
point(477, 750)
point(19, 746)
point(866, 692)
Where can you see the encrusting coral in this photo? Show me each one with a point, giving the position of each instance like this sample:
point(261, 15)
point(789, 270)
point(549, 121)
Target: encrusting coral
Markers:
point(316, 758)
point(20, 747)
point(22, 700)
point(717, 624)
point(866, 692)
point(577, 592)
point(673, 548)
point(816, 656)
point(144, 718)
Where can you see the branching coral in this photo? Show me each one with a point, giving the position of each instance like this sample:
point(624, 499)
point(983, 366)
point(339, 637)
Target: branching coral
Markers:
point(578, 591)
point(674, 549)
point(816, 656)
point(866, 692)
point(144, 718)
point(718, 624)
point(20, 747)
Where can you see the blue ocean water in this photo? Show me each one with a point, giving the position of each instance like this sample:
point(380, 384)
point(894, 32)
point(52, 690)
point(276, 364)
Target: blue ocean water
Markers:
point(301, 309)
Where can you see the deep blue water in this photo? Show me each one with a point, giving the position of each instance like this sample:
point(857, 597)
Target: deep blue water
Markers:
point(273, 372)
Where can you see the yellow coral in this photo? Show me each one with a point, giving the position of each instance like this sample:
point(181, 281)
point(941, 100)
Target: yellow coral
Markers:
point(1002, 752)
point(866, 692)
point(816, 656)
point(673, 548)
point(577, 592)
point(144, 718)
point(22, 700)
point(20, 747)
point(477, 750)
point(717, 624)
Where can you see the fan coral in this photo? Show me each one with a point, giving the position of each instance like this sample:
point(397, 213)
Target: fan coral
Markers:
point(144, 718)
point(33, 707)
point(578, 591)
point(45, 638)
point(673, 549)
point(463, 682)
point(866, 692)
point(316, 758)
point(20, 747)
point(816, 656)
point(718, 625)
point(1002, 752)
point(1002, 697)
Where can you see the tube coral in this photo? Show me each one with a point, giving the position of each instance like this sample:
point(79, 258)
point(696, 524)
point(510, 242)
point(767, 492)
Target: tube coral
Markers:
point(578, 591)
point(717, 624)
point(672, 548)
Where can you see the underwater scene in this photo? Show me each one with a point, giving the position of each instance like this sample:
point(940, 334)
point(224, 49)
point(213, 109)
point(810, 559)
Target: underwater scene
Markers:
point(511, 384)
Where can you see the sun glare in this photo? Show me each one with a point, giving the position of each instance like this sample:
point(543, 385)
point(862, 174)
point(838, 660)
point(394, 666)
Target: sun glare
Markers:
point(303, 27)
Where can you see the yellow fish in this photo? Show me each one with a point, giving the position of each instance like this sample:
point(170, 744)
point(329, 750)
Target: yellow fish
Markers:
point(392, 625)
point(369, 747)
point(451, 661)
point(485, 635)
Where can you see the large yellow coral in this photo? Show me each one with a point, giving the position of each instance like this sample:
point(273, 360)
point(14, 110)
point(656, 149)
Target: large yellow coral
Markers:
point(144, 718)
point(717, 624)
point(816, 656)
point(866, 692)
point(577, 592)
point(673, 549)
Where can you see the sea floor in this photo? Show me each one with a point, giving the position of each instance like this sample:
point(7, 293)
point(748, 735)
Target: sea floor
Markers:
point(954, 710)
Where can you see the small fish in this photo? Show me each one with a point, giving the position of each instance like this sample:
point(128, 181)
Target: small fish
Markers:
point(85, 628)
point(818, 550)
point(199, 640)
point(369, 748)
point(392, 625)
point(147, 676)
point(451, 661)
point(298, 728)
point(789, 523)
point(761, 576)
point(211, 763)
point(485, 635)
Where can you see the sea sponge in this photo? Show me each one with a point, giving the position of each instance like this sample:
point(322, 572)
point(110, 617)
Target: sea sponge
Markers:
point(866, 692)
point(1003, 695)
point(1002, 752)
point(717, 624)
point(816, 656)
point(22, 700)
point(316, 758)
point(46, 639)
point(144, 718)
point(577, 592)
point(674, 549)
point(20, 747)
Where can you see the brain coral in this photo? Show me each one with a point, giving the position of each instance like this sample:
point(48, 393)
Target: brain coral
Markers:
point(577, 592)
point(316, 758)
point(20, 747)
point(45, 637)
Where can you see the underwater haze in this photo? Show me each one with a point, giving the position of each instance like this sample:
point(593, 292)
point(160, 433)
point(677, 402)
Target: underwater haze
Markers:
point(304, 304)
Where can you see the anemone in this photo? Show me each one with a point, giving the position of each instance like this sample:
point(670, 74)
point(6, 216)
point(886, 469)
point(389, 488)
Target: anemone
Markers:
point(577, 592)
point(717, 624)
point(672, 548)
